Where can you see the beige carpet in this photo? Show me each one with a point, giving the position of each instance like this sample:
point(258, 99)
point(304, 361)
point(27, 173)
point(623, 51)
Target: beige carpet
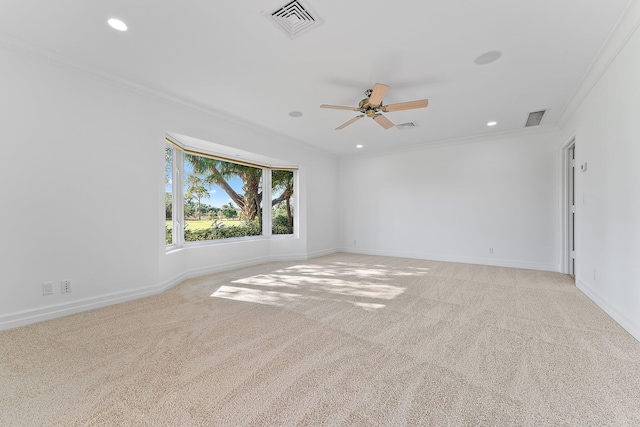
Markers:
point(338, 340)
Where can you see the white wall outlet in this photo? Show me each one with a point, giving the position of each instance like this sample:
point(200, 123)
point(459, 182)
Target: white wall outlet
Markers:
point(47, 288)
point(490, 251)
point(65, 286)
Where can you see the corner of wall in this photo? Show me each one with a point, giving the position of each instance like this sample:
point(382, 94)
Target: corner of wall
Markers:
point(624, 321)
point(625, 28)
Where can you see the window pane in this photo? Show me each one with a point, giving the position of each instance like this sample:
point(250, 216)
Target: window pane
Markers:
point(282, 202)
point(221, 199)
point(168, 194)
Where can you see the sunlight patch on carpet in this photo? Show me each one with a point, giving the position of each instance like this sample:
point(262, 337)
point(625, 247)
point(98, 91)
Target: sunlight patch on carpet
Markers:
point(361, 285)
point(326, 286)
point(256, 295)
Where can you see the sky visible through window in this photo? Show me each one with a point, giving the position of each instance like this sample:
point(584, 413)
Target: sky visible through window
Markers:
point(217, 196)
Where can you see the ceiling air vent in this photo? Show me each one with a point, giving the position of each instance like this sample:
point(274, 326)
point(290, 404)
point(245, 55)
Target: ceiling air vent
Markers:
point(405, 126)
point(535, 118)
point(295, 18)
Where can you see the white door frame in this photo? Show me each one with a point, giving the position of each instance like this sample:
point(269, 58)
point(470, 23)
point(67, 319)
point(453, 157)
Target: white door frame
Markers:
point(569, 187)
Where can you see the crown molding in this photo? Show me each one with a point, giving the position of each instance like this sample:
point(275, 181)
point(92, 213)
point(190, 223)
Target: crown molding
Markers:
point(158, 94)
point(622, 32)
point(490, 137)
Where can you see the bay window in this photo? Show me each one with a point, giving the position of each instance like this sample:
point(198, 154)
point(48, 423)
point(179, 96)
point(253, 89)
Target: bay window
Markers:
point(211, 198)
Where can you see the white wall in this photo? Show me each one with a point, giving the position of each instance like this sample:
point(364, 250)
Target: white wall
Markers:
point(83, 190)
point(607, 132)
point(454, 200)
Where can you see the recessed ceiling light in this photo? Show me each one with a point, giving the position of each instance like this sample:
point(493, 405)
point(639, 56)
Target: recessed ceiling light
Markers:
point(359, 146)
point(295, 114)
point(117, 24)
point(492, 123)
point(488, 57)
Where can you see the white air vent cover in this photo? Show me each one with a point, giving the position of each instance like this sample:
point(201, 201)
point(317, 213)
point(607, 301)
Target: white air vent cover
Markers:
point(295, 18)
point(535, 118)
point(405, 126)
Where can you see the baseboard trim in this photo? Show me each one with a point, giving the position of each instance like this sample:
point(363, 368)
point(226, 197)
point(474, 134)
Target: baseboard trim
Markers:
point(615, 314)
point(466, 260)
point(27, 317)
point(197, 272)
point(287, 257)
point(318, 254)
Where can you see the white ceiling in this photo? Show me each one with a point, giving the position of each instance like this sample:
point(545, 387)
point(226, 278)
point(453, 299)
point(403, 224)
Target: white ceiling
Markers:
point(227, 56)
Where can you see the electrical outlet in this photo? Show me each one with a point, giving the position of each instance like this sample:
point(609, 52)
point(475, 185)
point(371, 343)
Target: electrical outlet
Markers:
point(490, 251)
point(65, 286)
point(47, 288)
point(354, 242)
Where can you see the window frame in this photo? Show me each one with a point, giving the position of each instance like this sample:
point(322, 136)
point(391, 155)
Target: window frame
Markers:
point(296, 223)
point(177, 208)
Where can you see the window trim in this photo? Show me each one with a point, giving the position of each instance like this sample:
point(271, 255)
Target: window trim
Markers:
point(295, 208)
point(225, 158)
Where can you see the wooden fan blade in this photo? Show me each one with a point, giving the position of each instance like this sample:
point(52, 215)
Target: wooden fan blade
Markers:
point(379, 91)
point(339, 107)
point(405, 105)
point(383, 121)
point(344, 125)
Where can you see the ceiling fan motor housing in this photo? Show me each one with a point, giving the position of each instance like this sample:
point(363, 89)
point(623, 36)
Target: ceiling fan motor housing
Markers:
point(367, 108)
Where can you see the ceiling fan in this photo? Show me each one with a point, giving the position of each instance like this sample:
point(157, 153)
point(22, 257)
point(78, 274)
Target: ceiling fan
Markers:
point(371, 106)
